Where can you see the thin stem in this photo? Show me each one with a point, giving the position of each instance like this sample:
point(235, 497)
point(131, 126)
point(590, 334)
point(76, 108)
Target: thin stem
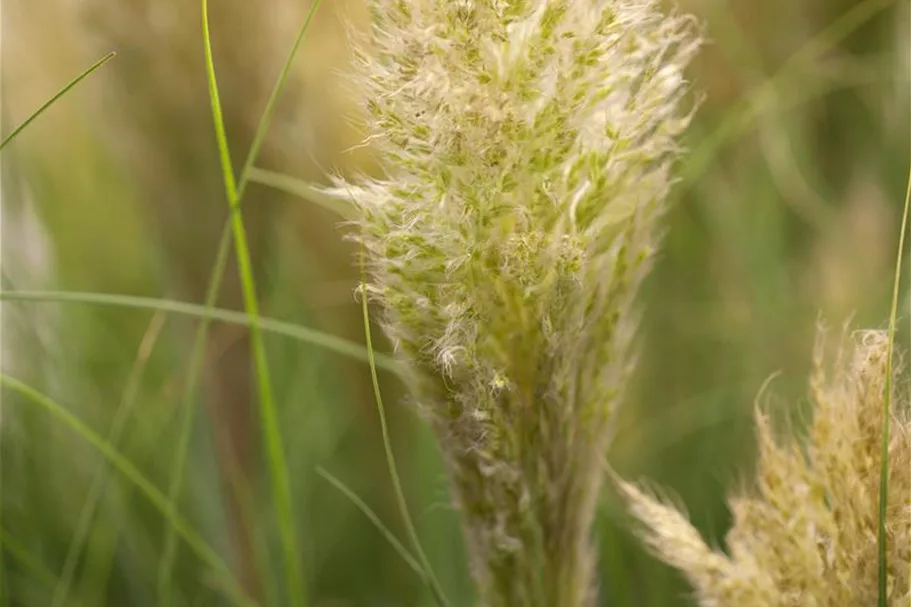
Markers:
point(56, 96)
point(169, 552)
point(301, 189)
point(375, 519)
point(281, 486)
point(263, 127)
point(430, 578)
point(887, 410)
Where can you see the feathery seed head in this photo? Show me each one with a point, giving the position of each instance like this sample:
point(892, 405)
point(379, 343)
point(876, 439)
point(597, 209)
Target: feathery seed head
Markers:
point(809, 535)
point(526, 148)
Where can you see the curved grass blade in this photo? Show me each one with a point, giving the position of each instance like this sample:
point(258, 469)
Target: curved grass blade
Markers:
point(300, 188)
point(221, 261)
point(281, 486)
point(429, 576)
point(375, 519)
point(309, 336)
point(132, 474)
point(887, 409)
point(118, 425)
point(21, 554)
point(56, 96)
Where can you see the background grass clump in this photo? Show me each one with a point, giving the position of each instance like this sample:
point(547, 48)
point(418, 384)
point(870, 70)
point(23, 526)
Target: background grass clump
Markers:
point(787, 206)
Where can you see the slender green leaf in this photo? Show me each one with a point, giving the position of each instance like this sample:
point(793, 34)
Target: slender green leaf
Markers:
point(56, 96)
point(25, 558)
point(887, 409)
point(375, 519)
point(281, 486)
point(306, 335)
point(429, 576)
point(301, 189)
point(214, 287)
point(89, 507)
point(132, 474)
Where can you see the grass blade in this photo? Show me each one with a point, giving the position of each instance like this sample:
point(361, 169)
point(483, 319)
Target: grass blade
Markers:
point(306, 335)
point(169, 550)
point(887, 409)
point(375, 519)
point(56, 96)
point(300, 188)
point(266, 119)
point(185, 433)
point(259, 137)
point(21, 554)
point(281, 486)
point(87, 514)
point(429, 577)
point(132, 474)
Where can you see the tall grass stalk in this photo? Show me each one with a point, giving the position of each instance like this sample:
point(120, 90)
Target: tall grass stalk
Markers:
point(281, 486)
point(428, 575)
point(807, 533)
point(882, 537)
point(212, 292)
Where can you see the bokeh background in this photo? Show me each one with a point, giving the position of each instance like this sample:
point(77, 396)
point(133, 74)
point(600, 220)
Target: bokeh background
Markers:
point(786, 211)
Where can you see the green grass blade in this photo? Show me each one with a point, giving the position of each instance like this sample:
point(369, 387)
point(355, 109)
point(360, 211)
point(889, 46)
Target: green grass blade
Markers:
point(259, 137)
point(185, 433)
point(99, 482)
point(429, 576)
point(54, 99)
point(375, 519)
point(16, 131)
point(300, 188)
point(205, 553)
point(266, 119)
point(22, 555)
point(169, 550)
point(887, 409)
point(215, 281)
point(306, 335)
point(281, 486)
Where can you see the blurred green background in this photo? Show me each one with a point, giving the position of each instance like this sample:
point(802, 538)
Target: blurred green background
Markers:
point(786, 211)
